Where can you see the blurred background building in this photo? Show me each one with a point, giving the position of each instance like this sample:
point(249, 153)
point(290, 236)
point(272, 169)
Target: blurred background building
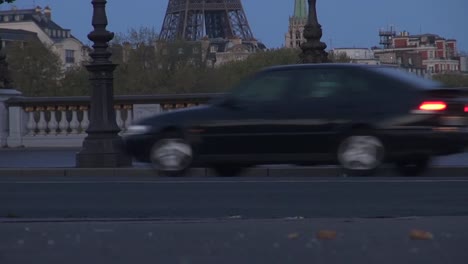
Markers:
point(25, 25)
point(423, 53)
point(295, 36)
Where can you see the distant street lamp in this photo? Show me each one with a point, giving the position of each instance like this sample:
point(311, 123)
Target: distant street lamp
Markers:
point(103, 147)
point(313, 50)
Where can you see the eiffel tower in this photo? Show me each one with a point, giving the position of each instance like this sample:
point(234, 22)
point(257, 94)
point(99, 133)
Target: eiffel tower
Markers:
point(192, 20)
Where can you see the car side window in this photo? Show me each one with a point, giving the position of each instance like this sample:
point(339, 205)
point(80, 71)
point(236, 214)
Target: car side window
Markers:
point(266, 87)
point(318, 84)
point(326, 84)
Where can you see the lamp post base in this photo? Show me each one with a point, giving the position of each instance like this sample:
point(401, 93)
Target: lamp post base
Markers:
point(102, 151)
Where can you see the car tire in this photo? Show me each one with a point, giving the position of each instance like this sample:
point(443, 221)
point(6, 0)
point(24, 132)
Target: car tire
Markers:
point(413, 167)
point(171, 155)
point(360, 154)
point(227, 170)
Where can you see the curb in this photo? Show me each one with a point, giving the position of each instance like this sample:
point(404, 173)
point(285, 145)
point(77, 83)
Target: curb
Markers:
point(204, 172)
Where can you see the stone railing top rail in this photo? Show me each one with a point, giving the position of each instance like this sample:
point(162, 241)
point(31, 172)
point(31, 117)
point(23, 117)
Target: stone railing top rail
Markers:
point(121, 99)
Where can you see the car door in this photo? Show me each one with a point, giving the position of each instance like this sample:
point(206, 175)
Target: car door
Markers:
point(317, 111)
point(247, 123)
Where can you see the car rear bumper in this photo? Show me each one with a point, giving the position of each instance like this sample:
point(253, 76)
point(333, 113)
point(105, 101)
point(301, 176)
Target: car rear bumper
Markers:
point(434, 141)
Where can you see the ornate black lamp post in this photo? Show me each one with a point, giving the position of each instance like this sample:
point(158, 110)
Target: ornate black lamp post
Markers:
point(103, 146)
point(313, 50)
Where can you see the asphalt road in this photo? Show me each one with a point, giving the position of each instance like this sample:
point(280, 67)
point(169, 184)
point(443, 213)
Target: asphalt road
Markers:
point(435, 240)
point(225, 198)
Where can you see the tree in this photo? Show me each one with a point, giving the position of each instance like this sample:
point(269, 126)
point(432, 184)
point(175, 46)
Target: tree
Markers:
point(224, 77)
point(452, 79)
point(75, 82)
point(36, 69)
point(6, 1)
point(340, 57)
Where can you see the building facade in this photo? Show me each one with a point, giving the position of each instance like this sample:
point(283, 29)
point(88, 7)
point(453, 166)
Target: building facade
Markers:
point(427, 52)
point(295, 36)
point(357, 55)
point(25, 24)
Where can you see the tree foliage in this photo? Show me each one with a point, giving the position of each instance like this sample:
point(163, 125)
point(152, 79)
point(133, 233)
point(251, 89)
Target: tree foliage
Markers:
point(36, 69)
point(452, 79)
point(6, 1)
point(340, 57)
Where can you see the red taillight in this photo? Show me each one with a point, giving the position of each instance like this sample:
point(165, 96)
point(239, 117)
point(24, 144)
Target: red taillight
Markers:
point(466, 109)
point(434, 106)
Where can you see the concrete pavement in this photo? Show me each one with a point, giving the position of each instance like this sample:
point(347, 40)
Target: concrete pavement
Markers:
point(61, 162)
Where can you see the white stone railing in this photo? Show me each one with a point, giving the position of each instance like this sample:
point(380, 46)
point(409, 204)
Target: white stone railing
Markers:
point(62, 122)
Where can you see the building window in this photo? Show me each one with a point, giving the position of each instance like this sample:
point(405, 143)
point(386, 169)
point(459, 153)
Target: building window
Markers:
point(6, 18)
point(298, 34)
point(410, 61)
point(180, 51)
point(213, 49)
point(17, 18)
point(69, 56)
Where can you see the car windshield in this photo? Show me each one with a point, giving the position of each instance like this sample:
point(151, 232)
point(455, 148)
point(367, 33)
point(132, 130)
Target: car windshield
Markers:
point(408, 77)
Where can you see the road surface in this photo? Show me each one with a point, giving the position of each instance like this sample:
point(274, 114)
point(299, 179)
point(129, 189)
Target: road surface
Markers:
point(245, 197)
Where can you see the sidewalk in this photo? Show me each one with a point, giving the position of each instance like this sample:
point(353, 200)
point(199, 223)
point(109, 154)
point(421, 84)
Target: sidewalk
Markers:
point(65, 158)
point(60, 162)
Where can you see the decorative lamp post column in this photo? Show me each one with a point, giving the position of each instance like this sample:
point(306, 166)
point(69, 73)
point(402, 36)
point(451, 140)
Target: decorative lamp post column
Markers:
point(103, 147)
point(313, 50)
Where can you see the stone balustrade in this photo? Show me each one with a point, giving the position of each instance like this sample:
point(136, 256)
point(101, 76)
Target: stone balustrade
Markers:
point(63, 121)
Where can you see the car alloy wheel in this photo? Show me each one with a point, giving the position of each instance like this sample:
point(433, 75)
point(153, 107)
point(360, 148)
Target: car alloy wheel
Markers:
point(361, 153)
point(171, 155)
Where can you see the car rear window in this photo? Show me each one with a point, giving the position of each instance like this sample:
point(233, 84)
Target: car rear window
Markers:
point(411, 78)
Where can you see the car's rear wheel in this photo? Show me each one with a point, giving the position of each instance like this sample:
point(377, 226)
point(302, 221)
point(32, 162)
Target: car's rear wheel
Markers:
point(360, 154)
point(171, 155)
point(413, 166)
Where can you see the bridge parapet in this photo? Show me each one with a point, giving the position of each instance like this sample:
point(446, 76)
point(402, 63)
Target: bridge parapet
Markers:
point(63, 121)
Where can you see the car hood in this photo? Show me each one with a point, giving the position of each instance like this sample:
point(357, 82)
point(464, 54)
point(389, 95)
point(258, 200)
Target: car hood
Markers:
point(183, 116)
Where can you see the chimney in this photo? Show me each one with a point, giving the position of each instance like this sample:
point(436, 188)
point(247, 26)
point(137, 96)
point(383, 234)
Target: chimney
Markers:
point(38, 9)
point(48, 12)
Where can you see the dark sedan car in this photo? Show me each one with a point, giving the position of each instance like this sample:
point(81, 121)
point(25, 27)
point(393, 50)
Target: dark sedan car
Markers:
point(357, 116)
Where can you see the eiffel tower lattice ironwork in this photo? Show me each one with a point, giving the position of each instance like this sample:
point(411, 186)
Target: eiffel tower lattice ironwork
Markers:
point(192, 20)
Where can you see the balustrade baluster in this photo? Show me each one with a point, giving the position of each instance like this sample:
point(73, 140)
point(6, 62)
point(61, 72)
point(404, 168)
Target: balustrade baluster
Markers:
point(74, 123)
point(129, 120)
point(85, 121)
point(118, 116)
point(63, 124)
point(31, 125)
point(42, 124)
point(53, 124)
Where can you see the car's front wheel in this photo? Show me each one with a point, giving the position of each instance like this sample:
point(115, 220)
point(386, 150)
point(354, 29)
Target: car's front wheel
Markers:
point(360, 154)
point(171, 155)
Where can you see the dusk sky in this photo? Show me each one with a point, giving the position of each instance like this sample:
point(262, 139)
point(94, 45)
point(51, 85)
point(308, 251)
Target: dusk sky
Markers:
point(346, 23)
